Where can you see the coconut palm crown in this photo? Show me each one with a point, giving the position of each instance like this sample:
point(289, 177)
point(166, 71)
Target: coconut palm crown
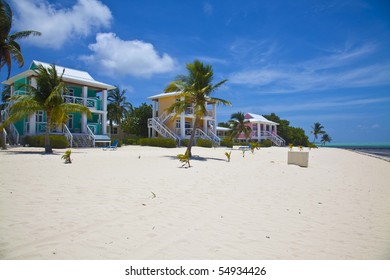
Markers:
point(238, 125)
point(47, 97)
point(9, 47)
point(117, 107)
point(195, 91)
point(317, 130)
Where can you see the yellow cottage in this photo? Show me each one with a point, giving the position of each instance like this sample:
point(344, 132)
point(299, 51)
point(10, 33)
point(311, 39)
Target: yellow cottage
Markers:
point(180, 127)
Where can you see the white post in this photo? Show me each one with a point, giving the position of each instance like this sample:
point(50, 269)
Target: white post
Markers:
point(32, 117)
point(104, 121)
point(215, 119)
point(84, 116)
point(182, 125)
point(154, 109)
point(258, 131)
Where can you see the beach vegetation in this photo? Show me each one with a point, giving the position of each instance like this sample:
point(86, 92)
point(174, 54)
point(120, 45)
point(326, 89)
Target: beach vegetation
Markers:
point(117, 106)
point(325, 138)
point(290, 146)
point(136, 121)
point(184, 158)
point(131, 141)
point(47, 97)
point(254, 146)
point(312, 146)
point(9, 47)
point(158, 142)
point(266, 143)
point(195, 90)
point(205, 143)
point(226, 142)
point(300, 147)
point(56, 141)
point(238, 124)
point(66, 156)
point(317, 129)
point(228, 155)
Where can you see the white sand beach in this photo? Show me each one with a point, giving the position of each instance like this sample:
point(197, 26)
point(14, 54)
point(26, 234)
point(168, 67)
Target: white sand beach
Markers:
point(137, 203)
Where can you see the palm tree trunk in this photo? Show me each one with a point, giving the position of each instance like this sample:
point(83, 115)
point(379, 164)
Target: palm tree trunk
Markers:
point(190, 143)
point(3, 140)
point(48, 149)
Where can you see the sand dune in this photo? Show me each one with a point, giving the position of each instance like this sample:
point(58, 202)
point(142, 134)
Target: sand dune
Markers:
point(137, 203)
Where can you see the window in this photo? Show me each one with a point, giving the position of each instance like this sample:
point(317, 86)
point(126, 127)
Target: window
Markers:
point(39, 117)
point(114, 130)
point(70, 91)
point(177, 124)
point(69, 123)
point(254, 127)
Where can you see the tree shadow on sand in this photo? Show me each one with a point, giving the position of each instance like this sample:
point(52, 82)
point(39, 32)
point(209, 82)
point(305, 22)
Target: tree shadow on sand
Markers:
point(197, 158)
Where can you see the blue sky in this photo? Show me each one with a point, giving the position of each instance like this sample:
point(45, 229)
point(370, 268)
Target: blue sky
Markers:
point(306, 61)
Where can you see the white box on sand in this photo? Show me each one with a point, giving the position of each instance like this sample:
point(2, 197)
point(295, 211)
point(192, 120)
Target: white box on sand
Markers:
point(298, 158)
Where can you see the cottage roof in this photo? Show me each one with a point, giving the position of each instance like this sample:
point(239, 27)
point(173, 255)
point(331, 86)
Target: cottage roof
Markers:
point(70, 76)
point(253, 118)
point(162, 95)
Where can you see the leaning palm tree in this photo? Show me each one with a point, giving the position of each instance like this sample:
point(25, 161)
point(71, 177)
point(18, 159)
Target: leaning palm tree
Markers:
point(325, 138)
point(317, 129)
point(238, 124)
point(195, 90)
point(48, 97)
point(118, 107)
point(9, 47)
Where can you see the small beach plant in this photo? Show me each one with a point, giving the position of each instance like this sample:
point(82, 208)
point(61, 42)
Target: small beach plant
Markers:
point(243, 152)
point(66, 156)
point(228, 154)
point(301, 148)
point(184, 158)
point(253, 146)
point(290, 146)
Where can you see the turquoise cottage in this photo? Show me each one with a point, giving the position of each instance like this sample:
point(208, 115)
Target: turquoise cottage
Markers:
point(82, 89)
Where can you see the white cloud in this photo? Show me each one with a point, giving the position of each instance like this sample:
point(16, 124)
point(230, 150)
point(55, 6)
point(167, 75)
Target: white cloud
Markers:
point(337, 70)
point(127, 58)
point(60, 25)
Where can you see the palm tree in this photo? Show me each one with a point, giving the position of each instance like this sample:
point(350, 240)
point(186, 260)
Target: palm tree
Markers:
point(9, 48)
point(5, 95)
point(325, 138)
point(317, 129)
point(238, 125)
point(195, 91)
point(48, 97)
point(118, 107)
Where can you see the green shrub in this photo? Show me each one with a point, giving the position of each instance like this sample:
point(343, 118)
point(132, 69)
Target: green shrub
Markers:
point(204, 143)
point(56, 141)
point(266, 143)
point(226, 142)
point(184, 142)
point(131, 141)
point(158, 142)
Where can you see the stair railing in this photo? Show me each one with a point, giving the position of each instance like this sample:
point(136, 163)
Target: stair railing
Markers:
point(68, 135)
point(162, 129)
point(91, 135)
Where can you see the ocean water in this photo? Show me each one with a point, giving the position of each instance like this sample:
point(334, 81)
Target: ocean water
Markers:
point(376, 149)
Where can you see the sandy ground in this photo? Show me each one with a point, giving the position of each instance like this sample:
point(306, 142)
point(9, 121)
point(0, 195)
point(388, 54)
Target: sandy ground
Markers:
point(138, 203)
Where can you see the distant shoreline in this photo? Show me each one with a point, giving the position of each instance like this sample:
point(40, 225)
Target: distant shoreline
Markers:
point(377, 150)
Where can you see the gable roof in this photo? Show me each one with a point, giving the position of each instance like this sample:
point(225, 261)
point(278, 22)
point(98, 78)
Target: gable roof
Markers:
point(162, 95)
point(258, 118)
point(70, 75)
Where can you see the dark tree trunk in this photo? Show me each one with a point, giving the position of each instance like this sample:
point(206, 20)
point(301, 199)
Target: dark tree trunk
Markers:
point(190, 143)
point(48, 149)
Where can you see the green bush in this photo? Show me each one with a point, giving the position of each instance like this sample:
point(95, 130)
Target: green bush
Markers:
point(226, 142)
point(204, 143)
point(158, 142)
point(131, 141)
point(56, 141)
point(266, 143)
point(184, 142)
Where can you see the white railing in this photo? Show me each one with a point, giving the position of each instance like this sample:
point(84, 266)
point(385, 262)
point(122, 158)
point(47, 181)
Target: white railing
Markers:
point(276, 139)
point(68, 135)
point(88, 102)
point(91, 135)
point(162, 129)
point(214, 137)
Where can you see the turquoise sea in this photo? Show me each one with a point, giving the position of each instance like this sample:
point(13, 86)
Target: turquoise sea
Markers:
point(377, 149)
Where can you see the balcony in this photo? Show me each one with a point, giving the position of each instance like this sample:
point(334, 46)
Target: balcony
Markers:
point(189, 111)
point(91, 103)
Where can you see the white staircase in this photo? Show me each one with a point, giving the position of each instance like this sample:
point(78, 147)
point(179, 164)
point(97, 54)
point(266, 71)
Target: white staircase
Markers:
point(162, 129)
point(276, 139)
